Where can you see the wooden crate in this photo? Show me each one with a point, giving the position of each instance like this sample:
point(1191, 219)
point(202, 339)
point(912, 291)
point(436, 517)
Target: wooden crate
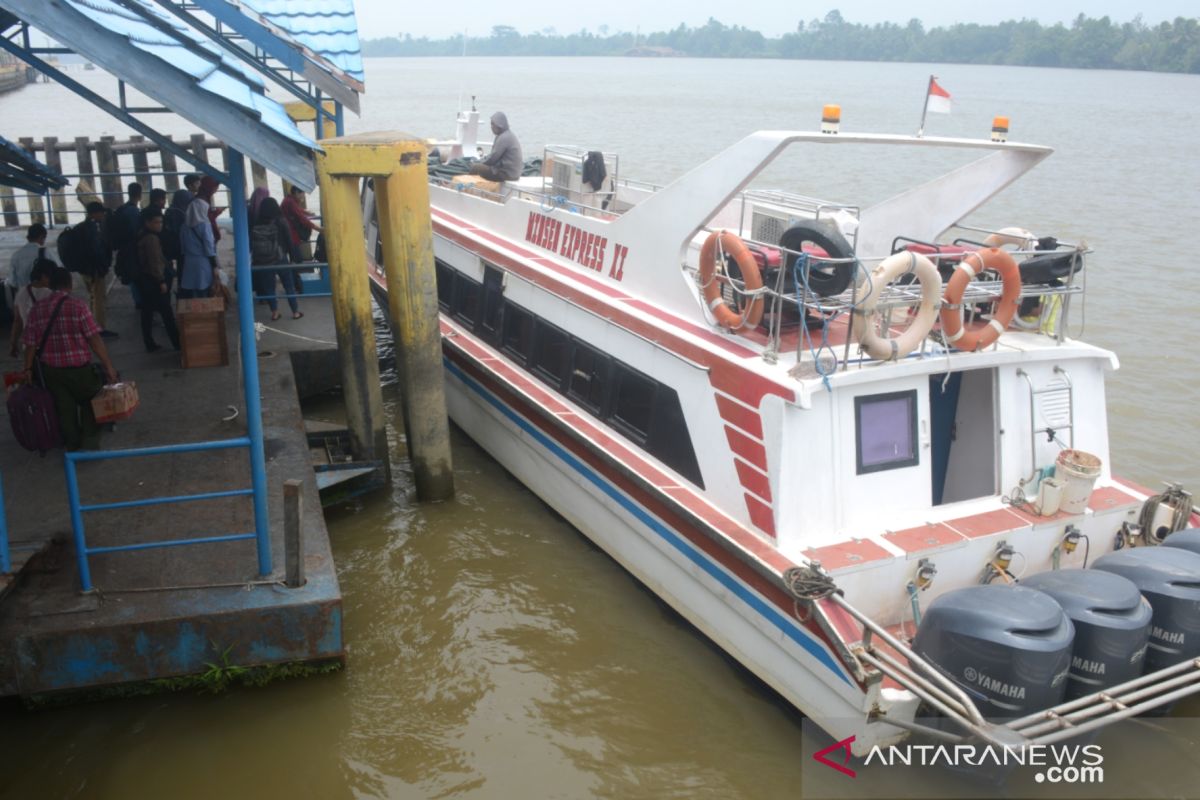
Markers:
point(202, 334)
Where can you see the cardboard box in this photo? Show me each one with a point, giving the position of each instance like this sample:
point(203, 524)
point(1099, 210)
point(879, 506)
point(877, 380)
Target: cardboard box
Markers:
point(200, 304)
point(202, 336)
point(116, 401)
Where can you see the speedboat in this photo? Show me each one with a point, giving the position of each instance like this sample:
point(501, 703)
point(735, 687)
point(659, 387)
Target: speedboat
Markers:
point(853, 444)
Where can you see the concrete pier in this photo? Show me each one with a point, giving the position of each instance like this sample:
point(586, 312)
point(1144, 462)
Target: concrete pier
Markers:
point(169, 612)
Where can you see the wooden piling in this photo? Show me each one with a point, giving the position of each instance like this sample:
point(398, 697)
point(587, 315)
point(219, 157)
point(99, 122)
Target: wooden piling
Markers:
point(293, 542)
point(58, 200)
point(199, 147)
point(110, 173)
point(406, 234)
point(37, 209)
point(9, 205)
point(355, 327)
point(169, 166)
point(83, 158)
point(141, 169)
point(258, 175)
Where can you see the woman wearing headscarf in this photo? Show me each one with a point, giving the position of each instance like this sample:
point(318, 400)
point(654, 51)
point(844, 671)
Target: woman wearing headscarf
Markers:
point(199, 248)
point(208, 187)
point(262, 281)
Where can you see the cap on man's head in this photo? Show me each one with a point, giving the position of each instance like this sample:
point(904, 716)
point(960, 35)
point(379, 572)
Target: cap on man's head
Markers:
point(95, 207)
point(36, 231)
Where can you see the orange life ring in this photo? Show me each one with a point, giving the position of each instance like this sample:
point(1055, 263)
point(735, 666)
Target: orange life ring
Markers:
point(711, 288)
point(1006, 308)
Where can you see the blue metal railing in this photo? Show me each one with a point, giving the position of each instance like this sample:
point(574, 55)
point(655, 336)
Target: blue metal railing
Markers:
point(320, 265)
point(5, 559)
point(82, 551)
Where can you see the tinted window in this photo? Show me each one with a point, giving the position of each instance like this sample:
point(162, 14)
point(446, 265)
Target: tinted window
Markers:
point(518, 332)
point(493, 302)
point(886, 428)
point(445, 284)
point(633, 401)
point(551, 354)
point(466, 298)
point(669, 439)
point(588, 381)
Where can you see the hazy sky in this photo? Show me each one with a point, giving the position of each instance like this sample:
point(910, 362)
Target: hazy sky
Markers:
point(378, 18)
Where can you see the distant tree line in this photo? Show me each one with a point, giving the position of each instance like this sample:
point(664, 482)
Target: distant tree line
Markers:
point(1085, 43)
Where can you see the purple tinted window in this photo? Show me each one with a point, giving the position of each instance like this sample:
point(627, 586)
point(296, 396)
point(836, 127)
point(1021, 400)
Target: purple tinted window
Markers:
point(886, 431)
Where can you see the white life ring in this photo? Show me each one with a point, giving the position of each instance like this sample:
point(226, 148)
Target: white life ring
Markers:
point(1018, 237)
point(864, 327)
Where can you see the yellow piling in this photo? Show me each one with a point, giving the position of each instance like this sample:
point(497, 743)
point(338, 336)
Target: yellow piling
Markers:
point(361, 389)
point(397, 163)
point(407, 237)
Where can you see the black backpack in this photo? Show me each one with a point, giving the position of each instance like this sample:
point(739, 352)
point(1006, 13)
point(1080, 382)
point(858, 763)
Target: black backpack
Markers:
point(72, 248)
point(172, 228)
point(264, 245)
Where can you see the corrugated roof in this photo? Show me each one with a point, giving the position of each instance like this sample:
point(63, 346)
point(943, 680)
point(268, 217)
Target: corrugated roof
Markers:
point(327, 27)
point(175, 65)
point(20, 169)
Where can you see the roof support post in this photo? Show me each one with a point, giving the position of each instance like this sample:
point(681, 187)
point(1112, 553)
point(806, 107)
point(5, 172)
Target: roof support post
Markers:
point(249, 347)
point(361, 390)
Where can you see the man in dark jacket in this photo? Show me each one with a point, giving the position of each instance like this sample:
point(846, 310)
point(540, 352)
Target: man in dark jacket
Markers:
point(124, 227)
point(95, 268)
point(504, 163)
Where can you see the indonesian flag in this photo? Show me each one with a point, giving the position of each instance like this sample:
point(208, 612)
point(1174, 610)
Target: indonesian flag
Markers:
point(938, 99)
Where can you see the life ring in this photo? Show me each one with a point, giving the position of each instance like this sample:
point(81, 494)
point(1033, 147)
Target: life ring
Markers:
point(1018, 237)
point(864, 326)
point(953, 328)
point(825, 278)
point(751, 278)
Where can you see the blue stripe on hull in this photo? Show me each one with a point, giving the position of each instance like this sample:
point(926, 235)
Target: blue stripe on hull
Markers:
point(691, 553)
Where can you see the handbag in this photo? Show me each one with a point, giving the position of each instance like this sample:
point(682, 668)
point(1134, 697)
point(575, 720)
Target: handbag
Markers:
point(31, 408)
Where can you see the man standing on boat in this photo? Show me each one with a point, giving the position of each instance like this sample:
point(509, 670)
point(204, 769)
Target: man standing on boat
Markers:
point(505, 162)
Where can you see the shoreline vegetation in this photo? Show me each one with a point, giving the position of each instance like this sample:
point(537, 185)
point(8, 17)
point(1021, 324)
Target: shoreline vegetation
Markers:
point(1086, 43)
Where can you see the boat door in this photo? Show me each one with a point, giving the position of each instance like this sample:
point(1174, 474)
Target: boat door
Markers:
point(963, 430)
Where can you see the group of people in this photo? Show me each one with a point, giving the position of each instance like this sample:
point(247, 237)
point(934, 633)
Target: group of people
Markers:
point(153, 249)
point(277, 231)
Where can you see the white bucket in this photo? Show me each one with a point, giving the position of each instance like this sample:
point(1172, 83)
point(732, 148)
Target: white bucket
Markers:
point(1078, 471)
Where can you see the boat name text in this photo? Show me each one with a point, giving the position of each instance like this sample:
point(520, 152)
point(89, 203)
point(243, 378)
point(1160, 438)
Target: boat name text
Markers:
point(584, 248)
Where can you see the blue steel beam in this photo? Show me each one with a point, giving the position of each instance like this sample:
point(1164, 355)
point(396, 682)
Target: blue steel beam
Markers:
point(238, 52)
point(159, 501)
point(249, 346)
point(5, 561)
point(87, 94)
point(126, 548)
point(287, 54)
point(158, 450)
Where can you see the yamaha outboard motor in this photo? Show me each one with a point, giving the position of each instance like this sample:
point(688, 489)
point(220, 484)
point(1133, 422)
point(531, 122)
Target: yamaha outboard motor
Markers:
point(1185, 540)
point(1112, 625)
point(1009, 647)
point(1169, 577)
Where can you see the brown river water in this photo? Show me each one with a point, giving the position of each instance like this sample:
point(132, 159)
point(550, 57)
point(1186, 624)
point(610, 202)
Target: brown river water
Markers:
point(492, 652)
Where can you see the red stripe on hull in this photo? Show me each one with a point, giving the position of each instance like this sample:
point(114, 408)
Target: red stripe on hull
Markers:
point(747, 448)
point(761, 514)
point(740, 416)
point(753, 480)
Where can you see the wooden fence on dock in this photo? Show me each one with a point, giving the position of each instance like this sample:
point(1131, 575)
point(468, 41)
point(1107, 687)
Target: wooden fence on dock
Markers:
point(105, 166)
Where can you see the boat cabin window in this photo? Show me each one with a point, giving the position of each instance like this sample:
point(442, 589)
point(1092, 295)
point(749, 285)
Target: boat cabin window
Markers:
point(551, 354)
point(588, 381)
point(518, 333)
point(633, 401)
point(466, 298)
point(885, 428)
point(445, 284)
point(493, 302)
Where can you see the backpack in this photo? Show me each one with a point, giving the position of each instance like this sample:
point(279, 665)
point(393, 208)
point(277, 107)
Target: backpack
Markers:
point(264, 245)
point(72, 248)
point(172, 228)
